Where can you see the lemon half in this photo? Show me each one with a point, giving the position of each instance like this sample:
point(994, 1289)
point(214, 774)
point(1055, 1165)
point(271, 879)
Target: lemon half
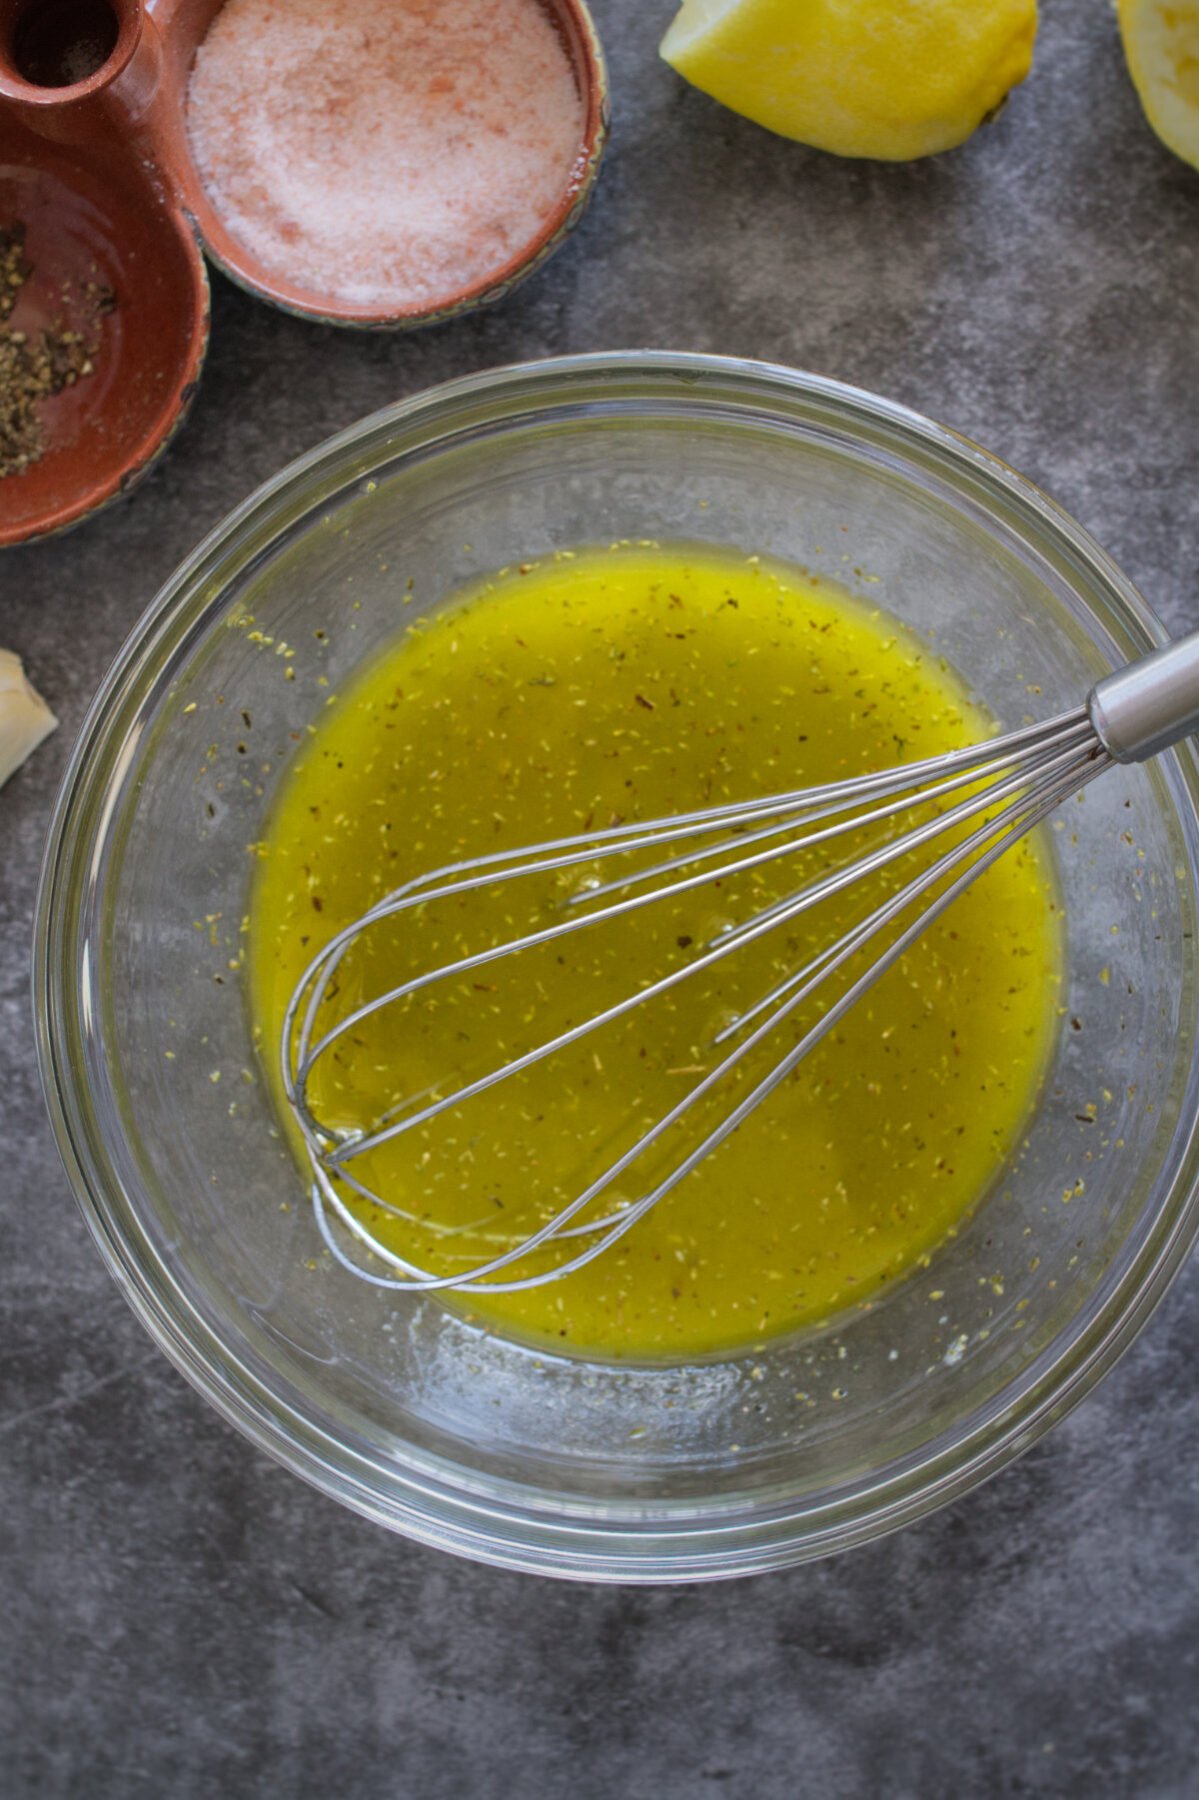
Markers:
point(1161, 42)
point(888, 79)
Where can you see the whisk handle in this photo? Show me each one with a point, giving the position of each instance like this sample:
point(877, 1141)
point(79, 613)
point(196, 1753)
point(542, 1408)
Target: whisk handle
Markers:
point(1149, 705)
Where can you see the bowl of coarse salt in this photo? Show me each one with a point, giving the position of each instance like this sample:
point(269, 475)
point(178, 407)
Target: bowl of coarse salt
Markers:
point(388, 162)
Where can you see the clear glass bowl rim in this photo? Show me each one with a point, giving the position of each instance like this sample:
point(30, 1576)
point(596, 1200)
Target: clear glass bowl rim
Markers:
point(594, 1544)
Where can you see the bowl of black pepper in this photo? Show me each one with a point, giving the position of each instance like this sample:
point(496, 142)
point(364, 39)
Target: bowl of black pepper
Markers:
point(103, 325)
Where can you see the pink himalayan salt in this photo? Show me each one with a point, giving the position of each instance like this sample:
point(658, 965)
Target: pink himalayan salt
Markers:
point(386, 153)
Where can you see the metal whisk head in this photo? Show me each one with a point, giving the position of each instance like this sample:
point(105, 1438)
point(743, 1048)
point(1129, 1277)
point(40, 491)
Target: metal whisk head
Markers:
point(949, 818)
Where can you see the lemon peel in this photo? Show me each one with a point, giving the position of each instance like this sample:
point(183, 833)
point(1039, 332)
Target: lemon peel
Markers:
point(890, 80)
point(1161, 47)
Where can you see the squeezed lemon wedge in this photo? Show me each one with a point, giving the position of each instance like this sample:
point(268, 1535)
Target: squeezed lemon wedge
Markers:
point(25, 719)
point(1161, 44)
point(887, 79)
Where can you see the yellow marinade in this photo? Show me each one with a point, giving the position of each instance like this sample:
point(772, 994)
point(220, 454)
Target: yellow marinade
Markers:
point(605, 686)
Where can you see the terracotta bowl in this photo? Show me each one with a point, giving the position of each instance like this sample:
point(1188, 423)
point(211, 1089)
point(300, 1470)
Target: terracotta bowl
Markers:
point(182, 25)
point(95, 220)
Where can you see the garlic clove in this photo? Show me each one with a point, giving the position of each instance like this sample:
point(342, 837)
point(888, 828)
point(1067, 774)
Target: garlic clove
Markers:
point(25, 719)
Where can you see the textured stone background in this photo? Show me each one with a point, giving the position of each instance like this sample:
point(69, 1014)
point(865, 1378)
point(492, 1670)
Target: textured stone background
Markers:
point(180, 1617)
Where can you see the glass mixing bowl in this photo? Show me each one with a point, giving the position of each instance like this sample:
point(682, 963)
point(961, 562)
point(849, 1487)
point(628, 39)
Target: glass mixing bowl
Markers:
point(393, 1405)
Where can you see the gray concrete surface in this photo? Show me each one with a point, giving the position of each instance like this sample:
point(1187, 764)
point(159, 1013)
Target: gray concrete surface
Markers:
point(178, 1616)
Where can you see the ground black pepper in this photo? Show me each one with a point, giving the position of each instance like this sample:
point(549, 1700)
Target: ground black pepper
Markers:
point(36, 365)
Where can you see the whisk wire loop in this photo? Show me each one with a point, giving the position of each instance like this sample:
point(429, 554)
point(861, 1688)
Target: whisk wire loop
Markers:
point(965, 862)
point(983, 799)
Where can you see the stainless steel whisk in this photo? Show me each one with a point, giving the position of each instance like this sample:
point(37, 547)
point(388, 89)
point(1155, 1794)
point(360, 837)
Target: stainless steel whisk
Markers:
point(1011, 784)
